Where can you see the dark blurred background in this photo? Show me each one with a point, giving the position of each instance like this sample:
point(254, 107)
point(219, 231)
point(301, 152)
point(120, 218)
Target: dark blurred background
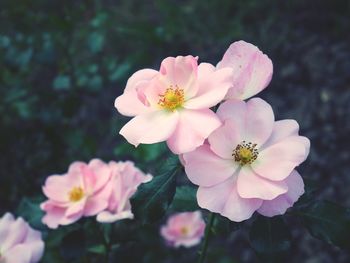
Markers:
point(62, 63)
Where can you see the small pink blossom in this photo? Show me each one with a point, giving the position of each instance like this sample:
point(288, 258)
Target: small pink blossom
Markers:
point(124, 182)
point(83, 191)
point(19, 243)
point(248, 163)
point(184, 229)
point(252, 70)
point(172, 104)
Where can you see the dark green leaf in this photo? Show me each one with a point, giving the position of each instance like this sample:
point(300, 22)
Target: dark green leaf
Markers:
point(185, 199)
point(270, 238)
point(327, 221)
point(152, 199)
point(30, 210)
point(62, 82)
point(97, 249)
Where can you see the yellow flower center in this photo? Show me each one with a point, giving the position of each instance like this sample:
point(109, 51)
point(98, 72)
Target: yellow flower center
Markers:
point(76, 194)
point(184, 230)
point(245, 153)
point(172, 99)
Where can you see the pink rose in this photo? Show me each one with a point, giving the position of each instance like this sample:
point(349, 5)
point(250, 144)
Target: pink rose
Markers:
point(172, 104)
point(124, 182)
point(83, 191)
point(19, 243)
point(184, 229)
point(248, 163)
point(252, 70)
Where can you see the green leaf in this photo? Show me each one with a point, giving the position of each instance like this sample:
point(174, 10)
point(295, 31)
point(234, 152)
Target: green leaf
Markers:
point(153, 199)
point(327, 221)
point(61, 82)
point(97, 249)
point(96, 41)
point(30, 210)
point(270, 238)
point(185, 199)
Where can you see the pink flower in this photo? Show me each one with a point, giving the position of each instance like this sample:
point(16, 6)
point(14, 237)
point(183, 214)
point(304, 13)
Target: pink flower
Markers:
point(125, 180)
point(19, 243)
point(172, 104)
point(252, 70)
point(83, 191)
point(184, 229)
point(248, 163)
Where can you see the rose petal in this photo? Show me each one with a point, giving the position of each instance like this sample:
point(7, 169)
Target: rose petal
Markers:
point(252, 70)
point(212, 87)
point(278, 161)
point(205, 168)
point(251, 185)
point(280, 204)
point(150, 128)
point(224, 139)
point(193, 127)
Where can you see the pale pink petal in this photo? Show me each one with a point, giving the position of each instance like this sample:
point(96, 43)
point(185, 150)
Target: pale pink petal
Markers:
point(57, 188)
point(76, 208)
point(129, 103)
point(278, 161)
point(140, 76)
point(233, 109)
point(224, 139)
point(109, 217)
point(205, 168)
point(35, 245)
point(193, 127)
point(96, 175)
point(173, 232)
point(18, 254)
point(237, 208)
point(252, 70)
point(255, 118)
point(5, 221)
point(280, 204)
point(281, 130)
point(75, 169)
point(251, 185)
point(54, 214)
point(180, 71)
point(259, 119)
point(150, 128)
point(71, 219)
point(224, 199)
point(98, 202)
point(212, 87)
point(214, 197)
point(17, 233)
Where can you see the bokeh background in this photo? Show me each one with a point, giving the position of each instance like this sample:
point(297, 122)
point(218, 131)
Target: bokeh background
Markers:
point(62, 63)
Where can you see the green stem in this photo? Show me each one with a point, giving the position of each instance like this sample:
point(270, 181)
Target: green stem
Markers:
point(206, 238)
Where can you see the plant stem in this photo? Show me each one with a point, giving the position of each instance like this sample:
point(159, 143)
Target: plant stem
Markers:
point(206, 238)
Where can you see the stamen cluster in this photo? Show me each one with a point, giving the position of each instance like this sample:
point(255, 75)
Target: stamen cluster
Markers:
point(172, 99)
point(245, 153)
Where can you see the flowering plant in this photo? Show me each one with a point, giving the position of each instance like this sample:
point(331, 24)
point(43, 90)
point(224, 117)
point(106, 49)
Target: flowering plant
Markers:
point(239, 167)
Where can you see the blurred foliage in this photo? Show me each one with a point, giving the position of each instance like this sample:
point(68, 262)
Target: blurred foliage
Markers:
point(64, 62)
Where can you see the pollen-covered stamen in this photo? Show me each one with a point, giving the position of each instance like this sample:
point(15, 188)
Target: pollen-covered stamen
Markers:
point(172, 99)
point(184, 230)
point(76, 194)
point(245, 153)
